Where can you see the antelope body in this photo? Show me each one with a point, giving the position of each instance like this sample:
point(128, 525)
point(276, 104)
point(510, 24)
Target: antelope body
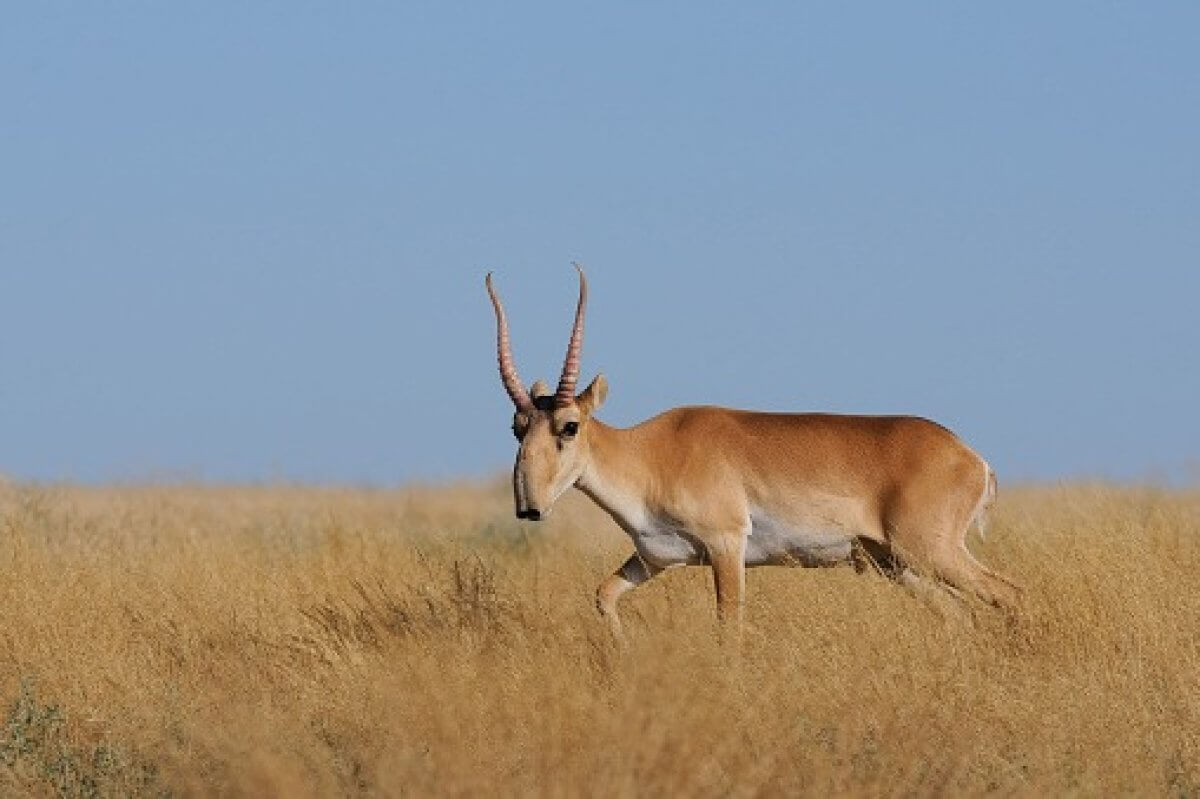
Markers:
point(735, 488)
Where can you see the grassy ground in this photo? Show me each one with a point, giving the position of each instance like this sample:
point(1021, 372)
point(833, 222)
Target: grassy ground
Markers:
point(286, 641)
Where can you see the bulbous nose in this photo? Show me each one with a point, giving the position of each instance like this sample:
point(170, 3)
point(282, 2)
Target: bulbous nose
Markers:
point(531, 514)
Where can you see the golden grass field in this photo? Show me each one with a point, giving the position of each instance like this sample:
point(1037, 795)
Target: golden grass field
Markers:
point(286, 641)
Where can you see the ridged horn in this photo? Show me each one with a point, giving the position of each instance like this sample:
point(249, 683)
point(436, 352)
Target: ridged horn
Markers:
point(508, 369)
point(570, 372)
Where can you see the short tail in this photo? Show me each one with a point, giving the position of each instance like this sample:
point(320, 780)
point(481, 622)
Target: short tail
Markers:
point(980, 517)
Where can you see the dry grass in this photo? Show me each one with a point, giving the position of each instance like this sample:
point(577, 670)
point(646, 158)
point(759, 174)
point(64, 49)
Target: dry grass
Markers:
point(288, 641)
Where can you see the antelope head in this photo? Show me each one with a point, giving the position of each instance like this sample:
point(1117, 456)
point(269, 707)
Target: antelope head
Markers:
point(551, 428)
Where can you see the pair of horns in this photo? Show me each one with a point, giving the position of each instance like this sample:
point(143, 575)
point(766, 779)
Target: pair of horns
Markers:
point(508, 369)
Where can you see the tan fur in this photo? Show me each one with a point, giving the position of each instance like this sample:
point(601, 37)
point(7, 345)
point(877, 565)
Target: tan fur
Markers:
point(695, 484)
point(904, 483)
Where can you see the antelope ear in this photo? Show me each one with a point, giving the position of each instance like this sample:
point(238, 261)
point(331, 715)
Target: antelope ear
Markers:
point(593, 396)
point(539, 389)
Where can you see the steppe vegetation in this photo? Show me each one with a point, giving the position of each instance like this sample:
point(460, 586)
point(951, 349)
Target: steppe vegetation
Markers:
point(291, 641)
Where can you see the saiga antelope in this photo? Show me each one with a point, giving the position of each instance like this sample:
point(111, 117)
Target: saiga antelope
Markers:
point(736, 488)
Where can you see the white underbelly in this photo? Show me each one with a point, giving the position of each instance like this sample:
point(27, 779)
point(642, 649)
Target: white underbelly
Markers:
point(773, 541)
point(665, 543)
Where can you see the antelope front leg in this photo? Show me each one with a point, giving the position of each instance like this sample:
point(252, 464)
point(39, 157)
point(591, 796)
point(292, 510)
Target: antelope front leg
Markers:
point(728, 555)
point(632, 573)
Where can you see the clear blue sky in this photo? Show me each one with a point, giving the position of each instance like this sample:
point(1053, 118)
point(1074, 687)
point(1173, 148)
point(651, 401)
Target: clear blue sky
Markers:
point(248, 241)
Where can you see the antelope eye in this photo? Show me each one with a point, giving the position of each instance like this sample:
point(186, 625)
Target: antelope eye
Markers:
point(518, 432)
point(570, 429)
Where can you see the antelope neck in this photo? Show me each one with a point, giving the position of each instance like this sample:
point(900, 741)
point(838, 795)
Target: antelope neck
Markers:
point(614, 476)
